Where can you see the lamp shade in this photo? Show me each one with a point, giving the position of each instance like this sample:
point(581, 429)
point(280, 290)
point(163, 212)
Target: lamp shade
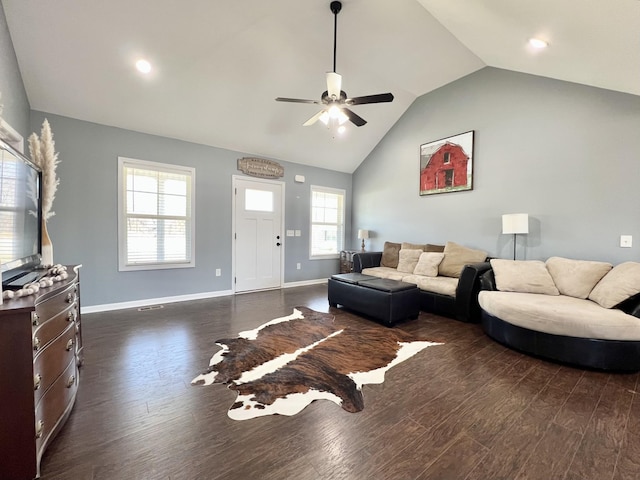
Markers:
point(364, 234)
point(515, 223)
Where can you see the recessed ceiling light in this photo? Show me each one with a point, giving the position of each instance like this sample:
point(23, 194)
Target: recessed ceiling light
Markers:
point(143, 66)
point(341, 129)
point(538, 43)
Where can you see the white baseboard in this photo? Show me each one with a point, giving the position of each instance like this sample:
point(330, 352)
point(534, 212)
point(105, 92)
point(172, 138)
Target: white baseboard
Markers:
point(304, 283)
point(153, 301)
point(181, 298)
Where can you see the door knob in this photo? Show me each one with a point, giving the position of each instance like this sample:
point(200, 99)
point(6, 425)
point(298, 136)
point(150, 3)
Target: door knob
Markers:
point(278, 244)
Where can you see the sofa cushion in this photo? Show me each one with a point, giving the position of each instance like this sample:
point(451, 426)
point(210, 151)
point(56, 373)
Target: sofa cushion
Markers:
point(433, 248)
point(428, 264)
point(523, 276)
point(384, 272)
point(412, 246)
point(408, 260)
point(560, 315)
point(622, 282)
point(390, 255)
point(441, 285)
point(456, 257)
point(576, 278)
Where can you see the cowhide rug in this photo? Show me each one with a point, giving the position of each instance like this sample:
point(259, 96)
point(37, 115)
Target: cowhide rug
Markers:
point(287, 363)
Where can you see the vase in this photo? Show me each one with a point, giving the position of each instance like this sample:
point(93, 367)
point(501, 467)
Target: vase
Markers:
point(47, 246)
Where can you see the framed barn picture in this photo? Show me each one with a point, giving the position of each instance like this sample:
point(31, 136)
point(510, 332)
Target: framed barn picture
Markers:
point(446, 165)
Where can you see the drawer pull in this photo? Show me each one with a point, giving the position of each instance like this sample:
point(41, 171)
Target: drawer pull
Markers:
point(69, 344)
point(71, 381)
point(37, 380)
point(36, 343)
point(39, 428)
point(34, 319)
point(71, 297)
point(71, 316)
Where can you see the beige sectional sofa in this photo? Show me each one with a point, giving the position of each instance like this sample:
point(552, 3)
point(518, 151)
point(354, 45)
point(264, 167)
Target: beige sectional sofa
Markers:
point(580, 312)
point(447, 275)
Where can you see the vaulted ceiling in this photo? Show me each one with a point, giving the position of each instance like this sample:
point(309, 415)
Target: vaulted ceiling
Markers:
point(218, 66)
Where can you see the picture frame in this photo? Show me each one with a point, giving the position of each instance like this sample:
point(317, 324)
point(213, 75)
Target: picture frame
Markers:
point(446, 165)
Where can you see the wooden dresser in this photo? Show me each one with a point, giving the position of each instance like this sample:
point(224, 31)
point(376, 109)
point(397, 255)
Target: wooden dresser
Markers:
point(40, 353)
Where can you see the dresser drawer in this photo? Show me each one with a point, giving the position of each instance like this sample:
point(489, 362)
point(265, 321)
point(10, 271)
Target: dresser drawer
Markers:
point(52, 306)
point(54, 403)
point(49, 328)
point(52, 360)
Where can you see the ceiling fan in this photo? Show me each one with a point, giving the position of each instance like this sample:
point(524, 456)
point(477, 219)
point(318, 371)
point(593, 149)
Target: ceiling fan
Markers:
point(334, 99)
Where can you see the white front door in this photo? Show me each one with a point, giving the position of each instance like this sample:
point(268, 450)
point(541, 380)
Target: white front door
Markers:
point(258, 237)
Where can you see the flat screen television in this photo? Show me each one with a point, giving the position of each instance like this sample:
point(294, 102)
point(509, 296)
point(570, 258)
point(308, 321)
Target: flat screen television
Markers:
point(20, 218)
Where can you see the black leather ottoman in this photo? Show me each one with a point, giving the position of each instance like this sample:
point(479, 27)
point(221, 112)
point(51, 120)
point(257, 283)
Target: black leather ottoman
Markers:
point(388, 301)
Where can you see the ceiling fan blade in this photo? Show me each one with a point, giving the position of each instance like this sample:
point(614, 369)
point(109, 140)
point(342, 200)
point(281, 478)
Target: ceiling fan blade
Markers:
point(379, 98)
point(296, 100)
point(334, 84)
point(357, 120)
point(313, 119)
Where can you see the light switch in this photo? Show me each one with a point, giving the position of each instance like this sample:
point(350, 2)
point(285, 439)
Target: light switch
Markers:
point(298, 233)
point(626, 241)
point(290, 233)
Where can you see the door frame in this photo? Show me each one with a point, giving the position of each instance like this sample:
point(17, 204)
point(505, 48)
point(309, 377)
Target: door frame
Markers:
point(262, 181)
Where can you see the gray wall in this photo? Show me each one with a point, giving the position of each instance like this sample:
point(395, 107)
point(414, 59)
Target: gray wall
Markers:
point(566, 154)
point(84, 229)
point(14, 97)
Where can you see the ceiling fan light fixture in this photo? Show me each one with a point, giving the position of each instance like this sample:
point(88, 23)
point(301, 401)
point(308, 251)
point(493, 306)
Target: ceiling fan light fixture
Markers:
point(324, 118)
point(335, 100)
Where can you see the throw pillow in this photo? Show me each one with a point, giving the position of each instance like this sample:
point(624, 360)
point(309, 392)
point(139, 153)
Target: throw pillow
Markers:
point(523, 276)
point(576, 278)
point(433, 248)
point(412, 246)
point(408, 260)
point(622, 282)
point(456, 257)
point(428, 264)
point(390, 255)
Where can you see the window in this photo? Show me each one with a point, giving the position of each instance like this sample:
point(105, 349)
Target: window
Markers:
point(447, 157)
point(327, 222)
point(258, 200)
point(155, 215)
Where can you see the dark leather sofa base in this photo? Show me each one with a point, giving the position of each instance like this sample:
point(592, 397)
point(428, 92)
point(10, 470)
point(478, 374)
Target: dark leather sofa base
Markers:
point(616, 355)
point(387, 301)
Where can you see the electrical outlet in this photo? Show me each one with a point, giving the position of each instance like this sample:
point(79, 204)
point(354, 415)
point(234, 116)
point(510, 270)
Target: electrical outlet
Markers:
point(298, 266)
point(626, 241)
point(298, 233)
point(218, 272)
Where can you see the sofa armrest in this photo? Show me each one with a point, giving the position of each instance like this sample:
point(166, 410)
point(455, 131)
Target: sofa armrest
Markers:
point(630, 306)
point(488, 280)
point(467, 308)
point(366, 260)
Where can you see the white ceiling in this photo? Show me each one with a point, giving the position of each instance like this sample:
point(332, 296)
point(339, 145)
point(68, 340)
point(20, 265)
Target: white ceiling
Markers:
point(219, 65)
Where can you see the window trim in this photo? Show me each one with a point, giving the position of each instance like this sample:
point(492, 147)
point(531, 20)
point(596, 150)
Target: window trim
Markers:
point(122, 201)
point(337, 191)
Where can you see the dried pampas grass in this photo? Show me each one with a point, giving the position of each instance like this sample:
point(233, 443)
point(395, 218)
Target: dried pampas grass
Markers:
point(43, 154)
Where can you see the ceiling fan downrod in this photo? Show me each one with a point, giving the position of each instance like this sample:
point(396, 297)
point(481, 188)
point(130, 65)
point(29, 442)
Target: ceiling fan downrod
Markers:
point(335, 8)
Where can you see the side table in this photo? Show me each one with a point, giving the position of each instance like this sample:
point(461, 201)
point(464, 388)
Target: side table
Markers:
point(346, 260)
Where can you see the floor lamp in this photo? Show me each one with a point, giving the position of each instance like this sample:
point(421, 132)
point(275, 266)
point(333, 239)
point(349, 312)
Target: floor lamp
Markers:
point(515, 223)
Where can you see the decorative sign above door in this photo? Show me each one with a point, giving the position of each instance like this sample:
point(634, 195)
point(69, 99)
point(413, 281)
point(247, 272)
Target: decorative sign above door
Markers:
point(260, 167)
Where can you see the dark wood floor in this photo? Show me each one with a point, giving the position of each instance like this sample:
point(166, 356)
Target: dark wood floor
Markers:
point(470, 409)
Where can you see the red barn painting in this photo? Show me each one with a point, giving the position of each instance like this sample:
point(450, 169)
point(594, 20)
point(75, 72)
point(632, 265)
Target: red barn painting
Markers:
point(446, 165)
